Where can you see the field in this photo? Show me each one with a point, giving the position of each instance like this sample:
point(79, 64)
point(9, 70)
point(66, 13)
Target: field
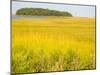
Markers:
point(53, 44)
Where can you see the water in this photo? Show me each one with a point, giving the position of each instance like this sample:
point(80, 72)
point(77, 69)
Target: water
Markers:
point(27, 17)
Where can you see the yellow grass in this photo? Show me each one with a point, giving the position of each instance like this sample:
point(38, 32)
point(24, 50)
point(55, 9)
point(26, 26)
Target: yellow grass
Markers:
point(53, 44)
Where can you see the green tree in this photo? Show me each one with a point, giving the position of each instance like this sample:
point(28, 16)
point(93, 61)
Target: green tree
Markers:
point(41, 12)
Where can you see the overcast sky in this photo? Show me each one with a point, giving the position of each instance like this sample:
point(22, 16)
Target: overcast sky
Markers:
point(76, 10)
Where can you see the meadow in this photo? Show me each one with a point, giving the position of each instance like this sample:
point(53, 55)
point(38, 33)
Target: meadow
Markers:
point(53, 44)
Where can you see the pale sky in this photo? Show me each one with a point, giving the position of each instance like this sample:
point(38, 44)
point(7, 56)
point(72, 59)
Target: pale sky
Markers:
point(75, 10)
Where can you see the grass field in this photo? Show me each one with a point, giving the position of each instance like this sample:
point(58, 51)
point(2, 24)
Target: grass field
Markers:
point(53, 44)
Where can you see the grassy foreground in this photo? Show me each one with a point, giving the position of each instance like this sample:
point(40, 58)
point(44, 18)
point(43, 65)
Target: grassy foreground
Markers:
point(53, 44)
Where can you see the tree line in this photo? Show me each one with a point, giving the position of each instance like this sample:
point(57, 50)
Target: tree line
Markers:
point(41, 12)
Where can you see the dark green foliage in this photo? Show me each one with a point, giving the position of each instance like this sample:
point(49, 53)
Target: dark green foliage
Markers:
point(41, 12)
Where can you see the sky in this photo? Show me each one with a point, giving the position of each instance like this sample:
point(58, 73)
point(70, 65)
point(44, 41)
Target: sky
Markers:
point(75, 10)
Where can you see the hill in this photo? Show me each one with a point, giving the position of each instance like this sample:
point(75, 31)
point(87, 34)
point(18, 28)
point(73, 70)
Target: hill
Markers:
point(41, 12)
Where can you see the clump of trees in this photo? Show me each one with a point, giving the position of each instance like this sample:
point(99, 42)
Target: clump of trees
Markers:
point(41, 12)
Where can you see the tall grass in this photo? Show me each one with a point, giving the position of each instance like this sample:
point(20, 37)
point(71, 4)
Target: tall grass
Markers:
point(53, 44)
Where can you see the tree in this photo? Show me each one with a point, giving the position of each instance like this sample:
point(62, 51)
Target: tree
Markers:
point(41, 12)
